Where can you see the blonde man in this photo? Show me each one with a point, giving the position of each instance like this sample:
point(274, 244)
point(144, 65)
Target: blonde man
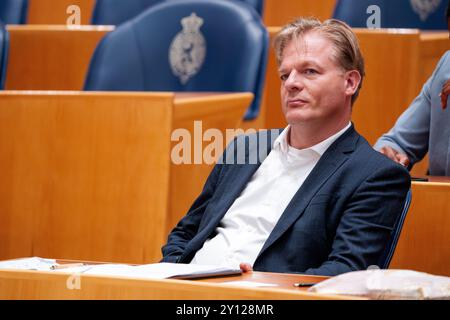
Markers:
point(322, 201)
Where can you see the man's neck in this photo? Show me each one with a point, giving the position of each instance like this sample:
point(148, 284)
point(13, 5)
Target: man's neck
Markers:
point(302, 136)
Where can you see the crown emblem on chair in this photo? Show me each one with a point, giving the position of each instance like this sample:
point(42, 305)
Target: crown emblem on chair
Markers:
point(188, 49)
point(424, 7)
point(192, 23)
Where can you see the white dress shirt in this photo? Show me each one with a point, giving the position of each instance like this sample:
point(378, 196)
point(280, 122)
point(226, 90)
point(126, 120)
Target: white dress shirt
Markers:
point(248, 223)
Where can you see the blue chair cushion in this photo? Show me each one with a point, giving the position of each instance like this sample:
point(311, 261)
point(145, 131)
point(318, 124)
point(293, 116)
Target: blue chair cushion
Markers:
point(115, 12)
point(4, 46)
point(135, 57)
point(258, 5)
point(13, 11)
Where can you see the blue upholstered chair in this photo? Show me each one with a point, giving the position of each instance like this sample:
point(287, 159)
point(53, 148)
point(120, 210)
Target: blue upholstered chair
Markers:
point(394, 14)
point(13, 11)
point(183, 45)
point(4, 46)
point(395, 235)
point(115, 12)
point(258, 5)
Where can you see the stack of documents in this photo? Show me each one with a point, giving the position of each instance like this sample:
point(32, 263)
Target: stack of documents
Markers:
point(146, 271)
point(34, 263)
point(387, 284)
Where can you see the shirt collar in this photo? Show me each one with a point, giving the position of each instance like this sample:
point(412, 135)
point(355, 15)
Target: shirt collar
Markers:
point(282, 144)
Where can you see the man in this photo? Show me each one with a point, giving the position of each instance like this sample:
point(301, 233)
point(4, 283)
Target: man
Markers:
point(322, 201)
point(425, 125)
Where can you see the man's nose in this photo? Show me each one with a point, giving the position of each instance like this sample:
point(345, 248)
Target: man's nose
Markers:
point(293, 82)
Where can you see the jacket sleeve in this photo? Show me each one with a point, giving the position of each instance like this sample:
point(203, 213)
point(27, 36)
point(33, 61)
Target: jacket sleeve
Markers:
point(410, 134)
point(365, 227)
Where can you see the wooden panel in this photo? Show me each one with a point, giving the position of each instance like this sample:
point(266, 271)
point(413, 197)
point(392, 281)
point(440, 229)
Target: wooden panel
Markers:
point(433, 46)
point(50, 57)
point(391, 58)
point(215, 112)
point(88, 175)
point(271, 98)
point(424, 244)
point(55, 12)
point(45, 285)
point(278, 13)
point(84, 175)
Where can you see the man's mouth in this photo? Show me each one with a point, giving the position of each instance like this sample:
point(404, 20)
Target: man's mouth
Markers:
point(296, 102)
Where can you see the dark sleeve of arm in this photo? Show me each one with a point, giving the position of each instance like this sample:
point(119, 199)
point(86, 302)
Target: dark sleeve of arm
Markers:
point(366, 225)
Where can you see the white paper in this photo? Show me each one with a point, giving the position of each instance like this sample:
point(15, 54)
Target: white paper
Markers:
point(249, 284)
point(147, 271)
point(387, 284)
point(34, 263)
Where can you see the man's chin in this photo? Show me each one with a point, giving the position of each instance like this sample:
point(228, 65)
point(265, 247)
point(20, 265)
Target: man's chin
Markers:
point(298, 118)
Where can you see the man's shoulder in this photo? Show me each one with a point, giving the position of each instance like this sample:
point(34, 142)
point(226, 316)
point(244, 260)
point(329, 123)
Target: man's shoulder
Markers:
point(445, 57)
point(366, 156)
point(443, 66)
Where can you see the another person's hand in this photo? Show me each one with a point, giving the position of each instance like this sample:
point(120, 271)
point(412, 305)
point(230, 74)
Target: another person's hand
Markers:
point(245, 267)
point(444, 94)
point(395, 155)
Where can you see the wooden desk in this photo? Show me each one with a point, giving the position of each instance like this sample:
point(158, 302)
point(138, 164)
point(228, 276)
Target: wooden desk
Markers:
point(56, 57)
point(88, 175)
point(424, 243)
point(48, 285)
point(398, 63)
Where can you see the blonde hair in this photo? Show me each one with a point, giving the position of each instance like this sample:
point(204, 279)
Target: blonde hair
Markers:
point(347, 53)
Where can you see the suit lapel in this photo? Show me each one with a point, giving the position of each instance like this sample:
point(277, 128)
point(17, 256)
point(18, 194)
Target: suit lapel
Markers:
point(336, 155)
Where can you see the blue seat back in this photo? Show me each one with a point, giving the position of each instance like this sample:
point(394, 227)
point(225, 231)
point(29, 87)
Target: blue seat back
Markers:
point(223, 47)
point(13, 11)
point(419, 14)
point(4, 46)
point(258, 5)
point(115, 12)
point(395, 235)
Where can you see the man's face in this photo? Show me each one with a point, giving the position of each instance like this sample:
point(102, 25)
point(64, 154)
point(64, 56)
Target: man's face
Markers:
point(314, 88)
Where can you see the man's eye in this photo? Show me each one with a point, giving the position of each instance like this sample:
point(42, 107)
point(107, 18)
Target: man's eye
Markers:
point(284, 77)
point(310, 72)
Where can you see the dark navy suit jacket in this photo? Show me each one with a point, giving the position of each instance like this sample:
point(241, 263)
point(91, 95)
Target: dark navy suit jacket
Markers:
point(339, 220)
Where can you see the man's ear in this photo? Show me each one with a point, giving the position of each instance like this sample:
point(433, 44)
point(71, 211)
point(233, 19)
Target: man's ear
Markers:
point(352, 80)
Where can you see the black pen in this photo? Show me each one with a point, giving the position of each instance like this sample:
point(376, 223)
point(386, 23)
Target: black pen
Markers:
point(304, 284)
